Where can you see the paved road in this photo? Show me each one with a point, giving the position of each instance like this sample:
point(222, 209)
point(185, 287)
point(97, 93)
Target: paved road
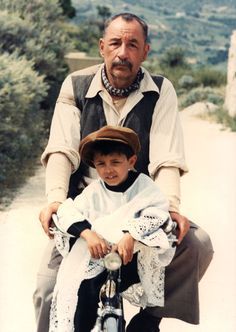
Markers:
point(208, 192)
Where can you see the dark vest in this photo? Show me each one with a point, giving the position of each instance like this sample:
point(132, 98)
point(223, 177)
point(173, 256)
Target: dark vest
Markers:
point(93, 118)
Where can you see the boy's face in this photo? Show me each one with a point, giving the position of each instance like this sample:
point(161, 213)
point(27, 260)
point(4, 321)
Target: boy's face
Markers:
point(114, 167)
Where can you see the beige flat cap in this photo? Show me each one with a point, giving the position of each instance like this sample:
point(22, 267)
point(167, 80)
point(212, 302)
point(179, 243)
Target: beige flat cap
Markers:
point(108, 133)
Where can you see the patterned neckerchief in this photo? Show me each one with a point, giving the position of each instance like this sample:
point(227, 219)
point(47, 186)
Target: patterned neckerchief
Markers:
point(121, 92)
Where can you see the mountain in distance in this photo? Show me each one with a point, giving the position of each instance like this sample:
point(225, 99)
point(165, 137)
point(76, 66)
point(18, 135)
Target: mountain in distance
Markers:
point(202, 28)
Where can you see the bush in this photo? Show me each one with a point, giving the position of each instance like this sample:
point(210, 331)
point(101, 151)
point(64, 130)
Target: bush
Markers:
point(67, 8)
point(21, 91)
point(35, 29)
point(223, 117)
point(210, 77)
point(173, 57)
point(33, 42)
point(202, 94)
point(174, 75)
point(187, 82)
point(14, 32)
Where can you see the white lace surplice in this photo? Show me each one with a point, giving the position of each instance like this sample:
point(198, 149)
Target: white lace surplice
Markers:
point(77, 265)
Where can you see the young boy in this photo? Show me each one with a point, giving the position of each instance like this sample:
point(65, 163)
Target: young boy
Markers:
point(122, 210)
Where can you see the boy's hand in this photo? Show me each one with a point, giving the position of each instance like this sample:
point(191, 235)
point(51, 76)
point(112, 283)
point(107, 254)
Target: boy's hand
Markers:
point(98, 247)
point(45, 216)
point(125, 248)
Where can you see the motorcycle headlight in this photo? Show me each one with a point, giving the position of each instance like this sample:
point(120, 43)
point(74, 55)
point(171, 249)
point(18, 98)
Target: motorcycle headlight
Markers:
point(112, 261)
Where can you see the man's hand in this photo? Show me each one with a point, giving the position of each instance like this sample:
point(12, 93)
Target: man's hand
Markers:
point(45, 216)
point(125, 248)
point(182, 223)
point(97, 246)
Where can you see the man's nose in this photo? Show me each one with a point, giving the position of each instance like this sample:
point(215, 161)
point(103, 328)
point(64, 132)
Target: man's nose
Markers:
point(123, 52)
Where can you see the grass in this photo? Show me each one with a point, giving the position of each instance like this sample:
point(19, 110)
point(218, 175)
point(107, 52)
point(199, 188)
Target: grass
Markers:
point(221, 116)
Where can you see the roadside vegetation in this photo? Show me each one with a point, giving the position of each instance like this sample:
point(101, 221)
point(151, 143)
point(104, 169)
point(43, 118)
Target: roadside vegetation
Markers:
point(33, 42)
point(195, 84)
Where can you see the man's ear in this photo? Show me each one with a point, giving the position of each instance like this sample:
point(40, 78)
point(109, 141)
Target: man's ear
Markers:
point(146, 50)
point(132, 161)
point(101, 46)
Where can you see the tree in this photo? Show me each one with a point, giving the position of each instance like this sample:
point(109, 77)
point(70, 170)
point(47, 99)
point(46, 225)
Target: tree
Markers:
point(173, 57)
point(104, 13)
point(68, 9)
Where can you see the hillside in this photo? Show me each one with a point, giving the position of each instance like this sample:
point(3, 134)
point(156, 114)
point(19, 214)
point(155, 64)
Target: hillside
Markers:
point(201, 28)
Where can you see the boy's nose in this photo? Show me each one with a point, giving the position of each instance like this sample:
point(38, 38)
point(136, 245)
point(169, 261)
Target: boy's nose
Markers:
point(108, 169)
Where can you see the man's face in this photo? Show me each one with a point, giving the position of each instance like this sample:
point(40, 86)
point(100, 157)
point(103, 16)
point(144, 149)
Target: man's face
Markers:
point(114, 167)
point(123, 49)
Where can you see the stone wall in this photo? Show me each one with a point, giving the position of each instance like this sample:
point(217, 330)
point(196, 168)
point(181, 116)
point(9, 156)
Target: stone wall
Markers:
point(79, 60)
point(230, 98)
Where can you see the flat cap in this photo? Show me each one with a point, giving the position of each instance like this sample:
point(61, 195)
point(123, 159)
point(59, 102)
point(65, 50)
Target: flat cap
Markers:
point(108, 133)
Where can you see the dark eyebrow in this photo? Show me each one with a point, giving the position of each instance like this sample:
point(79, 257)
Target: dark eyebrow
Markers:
point(133, 40)
point(98, 161)
point(114, 39)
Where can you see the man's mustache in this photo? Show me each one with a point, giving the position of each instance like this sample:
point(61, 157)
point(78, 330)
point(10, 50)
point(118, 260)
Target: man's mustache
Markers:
point(122, 63)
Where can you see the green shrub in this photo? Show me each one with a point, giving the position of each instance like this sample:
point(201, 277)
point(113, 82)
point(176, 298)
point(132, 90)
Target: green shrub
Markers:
point(21, 91)
point(202, 94)
point(35, 29)
point(33, 42)
point(173, 57)
point(67, 8)
point(187, 82)
point(14, 32)
point(223, 117)
point(210, 77)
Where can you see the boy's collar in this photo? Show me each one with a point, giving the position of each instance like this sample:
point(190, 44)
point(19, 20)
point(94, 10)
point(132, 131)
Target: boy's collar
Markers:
point(122, 187)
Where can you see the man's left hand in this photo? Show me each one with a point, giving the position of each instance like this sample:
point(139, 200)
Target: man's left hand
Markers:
point(182, 223)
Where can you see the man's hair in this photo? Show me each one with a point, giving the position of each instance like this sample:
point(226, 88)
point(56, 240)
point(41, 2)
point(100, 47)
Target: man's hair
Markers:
point(128, 17)
point(107, 147)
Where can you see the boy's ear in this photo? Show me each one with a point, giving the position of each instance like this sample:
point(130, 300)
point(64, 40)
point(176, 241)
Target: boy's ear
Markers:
point(132, 160)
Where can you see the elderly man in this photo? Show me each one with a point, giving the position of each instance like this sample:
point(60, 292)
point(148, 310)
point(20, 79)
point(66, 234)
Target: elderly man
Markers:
point(121, 92)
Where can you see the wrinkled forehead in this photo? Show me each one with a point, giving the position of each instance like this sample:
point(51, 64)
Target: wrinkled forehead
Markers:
point(121, 28)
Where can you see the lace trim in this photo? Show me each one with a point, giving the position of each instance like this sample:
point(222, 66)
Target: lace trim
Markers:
point(150, 291)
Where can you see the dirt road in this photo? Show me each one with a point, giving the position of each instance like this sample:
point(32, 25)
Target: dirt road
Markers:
point(208, 195)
